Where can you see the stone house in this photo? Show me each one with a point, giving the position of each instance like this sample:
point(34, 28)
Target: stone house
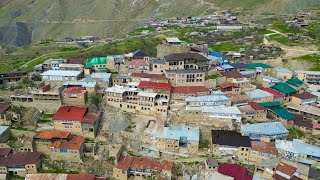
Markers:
point(311, 77)
point(99, 64)
point(70, 150)
point(260, 68)
point(211, 164)
point(139, 55)
point(260, 112)
point(230, 88)
point(236, 78)
point(158, 66)
point(259, 96)
point(174, 139)
point(299, 151)
point(285, 89)
point(47, 94)
point(238, 99)
point(282, 73)
point(19, 163)
point(138, 77)
point(71, 67)
point(42, 140)
point(4, 109)
point(306, 125)
point(75, 96)
point(214, 99)
point(277, 95)
point(103, 79)
point(140, 166)
point(267, 81)
point(182, 92)
point(230, 143)
point(120, 79)
point(186, 77)
point(4, 134)
point(77, 120)
point(52, 64)
point(277, 111)
point(91, 87)
point(297, 84)
point(304, 98)
point(186, 61)
point(269, 130)
point(149, 97)
point(261, 151)
point(139, 66)
point(311, 115)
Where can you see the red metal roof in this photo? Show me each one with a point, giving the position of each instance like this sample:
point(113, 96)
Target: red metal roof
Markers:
point(305, 95)
point(74, 143)
point(275, 93)
point(89, 118)
point(4, 107)
point(72, 113)
point(151, 76)
point(20, 159)
point(154, 85)
point(126, 162)
point(189, 89)
point(51, 134)
point(74, 61)
point(5, 152)
point(232, 74)
point(234, 170)
point(140, 62)
point(256, 106)
point(226, 85)
point(75, 90)
point(317, 125)
point(81, 177)
point(286, 169)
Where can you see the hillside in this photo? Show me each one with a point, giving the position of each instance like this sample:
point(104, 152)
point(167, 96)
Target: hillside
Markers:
point(24, 20)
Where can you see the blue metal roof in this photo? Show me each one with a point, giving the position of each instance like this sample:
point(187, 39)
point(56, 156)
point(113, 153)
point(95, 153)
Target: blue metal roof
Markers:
point(216, 54)
point(270, 128)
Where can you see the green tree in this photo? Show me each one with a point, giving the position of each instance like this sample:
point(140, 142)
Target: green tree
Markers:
point(95, 99)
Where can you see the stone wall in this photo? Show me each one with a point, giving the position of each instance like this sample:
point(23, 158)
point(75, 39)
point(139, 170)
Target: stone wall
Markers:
point(163, 49)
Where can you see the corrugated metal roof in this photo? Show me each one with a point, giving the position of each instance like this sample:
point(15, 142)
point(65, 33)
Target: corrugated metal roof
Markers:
point(283, 88)
point(61, 73)
point(258, 93)
point(210, 98)
point(269, 128)
point(3, 129)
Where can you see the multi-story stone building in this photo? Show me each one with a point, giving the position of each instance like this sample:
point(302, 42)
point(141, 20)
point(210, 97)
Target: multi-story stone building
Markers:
point(282, 73)
point(172, 140)
point(304, 98)
point(120, 79)
point(75, 96)
point(230, 143)
point(186, 61)
point(143, 167)
point(186, 77)
point(19, 163)
point(70, 150)
point(270, 130)
point(236, 78)
point(299, 151)
point(261, 151)
point(311, 77)
point(43, 139)
point(149, 97)
point(259, 96)
point(76, 120)
point(229, 88)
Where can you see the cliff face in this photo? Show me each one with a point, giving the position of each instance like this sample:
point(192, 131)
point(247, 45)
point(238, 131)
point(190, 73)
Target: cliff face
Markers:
point(21, 20)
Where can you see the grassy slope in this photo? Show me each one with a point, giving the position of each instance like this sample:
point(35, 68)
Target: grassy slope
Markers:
point(46, 15)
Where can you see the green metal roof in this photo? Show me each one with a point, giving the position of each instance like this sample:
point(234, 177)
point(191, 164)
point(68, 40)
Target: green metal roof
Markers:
point(283, 88)
point(271, 104)
point(283, 113)
point(96, 60)
point(255, 65)
point(295, 82)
